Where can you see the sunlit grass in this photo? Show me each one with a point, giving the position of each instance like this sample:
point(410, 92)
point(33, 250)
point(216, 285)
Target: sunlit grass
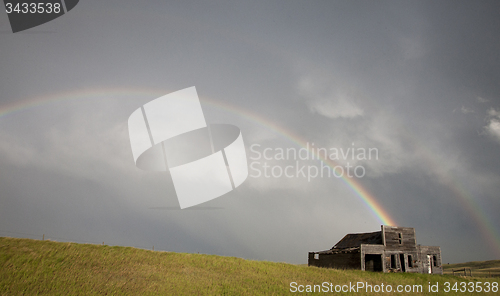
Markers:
point(478, 268)
point(30, 267)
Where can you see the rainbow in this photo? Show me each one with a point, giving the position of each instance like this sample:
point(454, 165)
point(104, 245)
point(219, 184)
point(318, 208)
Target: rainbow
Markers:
point(464, 197)
point(488, 231)
point(486, 228)
point(359, 191)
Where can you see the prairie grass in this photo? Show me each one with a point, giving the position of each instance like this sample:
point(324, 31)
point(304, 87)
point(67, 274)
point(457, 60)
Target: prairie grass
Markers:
point(478, 268)
point(33, 267)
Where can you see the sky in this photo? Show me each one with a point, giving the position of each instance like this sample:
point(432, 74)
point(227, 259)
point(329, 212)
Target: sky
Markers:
point(417, 82)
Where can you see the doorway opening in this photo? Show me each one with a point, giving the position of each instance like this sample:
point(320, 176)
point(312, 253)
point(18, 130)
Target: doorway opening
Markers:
point(403, 263)
point(373, 262)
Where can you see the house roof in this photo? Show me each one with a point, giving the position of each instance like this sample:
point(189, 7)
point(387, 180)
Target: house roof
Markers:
point(337, 251)
point(354, 240)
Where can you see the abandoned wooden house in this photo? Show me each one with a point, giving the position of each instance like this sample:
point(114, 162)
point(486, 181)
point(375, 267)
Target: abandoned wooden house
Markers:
point(393, 249)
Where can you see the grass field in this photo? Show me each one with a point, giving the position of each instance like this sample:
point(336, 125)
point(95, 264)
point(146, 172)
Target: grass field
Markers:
point(478, 268)
point(32, 267)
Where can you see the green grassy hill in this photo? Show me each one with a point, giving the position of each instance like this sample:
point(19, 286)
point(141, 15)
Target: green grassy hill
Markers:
point(478, 268)
point(29, 267)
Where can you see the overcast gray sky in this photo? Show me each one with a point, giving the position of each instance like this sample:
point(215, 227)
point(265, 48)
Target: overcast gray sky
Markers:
point(418, 81)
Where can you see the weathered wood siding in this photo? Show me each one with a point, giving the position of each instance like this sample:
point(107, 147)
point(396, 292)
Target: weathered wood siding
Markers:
point(339, 261)
point(435, 264)
point(399, 237)
point(372, 250)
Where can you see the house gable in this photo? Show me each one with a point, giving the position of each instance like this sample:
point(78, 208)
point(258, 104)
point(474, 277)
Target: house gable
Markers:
point(399, 237)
